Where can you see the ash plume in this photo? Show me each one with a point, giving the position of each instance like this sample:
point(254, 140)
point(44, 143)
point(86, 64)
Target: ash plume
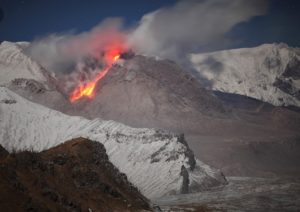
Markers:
point(173, 32)
point(64, 53)
point(192, 25)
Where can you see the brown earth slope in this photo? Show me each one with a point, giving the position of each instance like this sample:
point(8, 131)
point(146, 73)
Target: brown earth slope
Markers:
point(74, 176)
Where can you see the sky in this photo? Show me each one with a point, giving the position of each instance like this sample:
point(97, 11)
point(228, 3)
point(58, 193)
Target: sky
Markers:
point(26, 20)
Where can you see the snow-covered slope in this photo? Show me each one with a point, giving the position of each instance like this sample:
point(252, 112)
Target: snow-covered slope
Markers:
point(14, 64)
point(26, 77)
point(157, 162)
point(269, 72)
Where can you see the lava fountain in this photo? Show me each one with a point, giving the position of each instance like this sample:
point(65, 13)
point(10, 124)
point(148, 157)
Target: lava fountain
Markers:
point(88, 89)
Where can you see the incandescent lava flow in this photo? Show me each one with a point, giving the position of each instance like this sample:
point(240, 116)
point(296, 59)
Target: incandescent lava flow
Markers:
point(88, 89)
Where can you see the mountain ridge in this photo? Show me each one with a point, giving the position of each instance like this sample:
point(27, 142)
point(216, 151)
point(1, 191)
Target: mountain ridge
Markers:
point(269, 72)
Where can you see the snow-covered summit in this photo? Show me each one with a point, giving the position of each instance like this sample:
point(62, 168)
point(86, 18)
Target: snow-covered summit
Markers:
point(270, 72)
point(157, 162)
point(14, 64)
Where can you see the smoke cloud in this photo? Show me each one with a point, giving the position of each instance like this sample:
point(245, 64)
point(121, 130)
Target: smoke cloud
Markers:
point(192, 25)
point(62, 52)
point(172, 32)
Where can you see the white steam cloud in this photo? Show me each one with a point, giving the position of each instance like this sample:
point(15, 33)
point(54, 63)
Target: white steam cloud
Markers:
point(190, 25)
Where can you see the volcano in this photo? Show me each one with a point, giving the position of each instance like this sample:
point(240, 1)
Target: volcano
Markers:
point(150, 92)
point(143, 91)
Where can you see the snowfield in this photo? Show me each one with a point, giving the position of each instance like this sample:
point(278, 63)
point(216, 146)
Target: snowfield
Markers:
point(270, 72)
point(158, 163)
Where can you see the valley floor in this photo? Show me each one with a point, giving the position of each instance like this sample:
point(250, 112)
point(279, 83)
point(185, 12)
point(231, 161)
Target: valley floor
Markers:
point(252, 156)
point(241, 194)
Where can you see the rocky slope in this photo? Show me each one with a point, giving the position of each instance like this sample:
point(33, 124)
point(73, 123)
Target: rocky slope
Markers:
point(151, 90)
point(270, 72)
point(145, 92)
point(157, 162)
point(74, 176)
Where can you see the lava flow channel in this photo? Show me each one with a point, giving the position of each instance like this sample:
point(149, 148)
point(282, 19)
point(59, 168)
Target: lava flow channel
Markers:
point(88, 89)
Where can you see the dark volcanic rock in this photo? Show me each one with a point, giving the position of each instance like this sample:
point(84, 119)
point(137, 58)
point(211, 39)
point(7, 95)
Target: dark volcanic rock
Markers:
point(28, 84)
point(293, 69)
point(3, 152)
point(287, 87)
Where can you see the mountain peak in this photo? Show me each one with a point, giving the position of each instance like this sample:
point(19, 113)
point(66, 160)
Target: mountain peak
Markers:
point(269, 72)
point(15, 64)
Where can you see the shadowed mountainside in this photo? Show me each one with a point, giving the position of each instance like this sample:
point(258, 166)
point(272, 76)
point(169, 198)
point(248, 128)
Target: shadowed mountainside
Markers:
point(74, 176)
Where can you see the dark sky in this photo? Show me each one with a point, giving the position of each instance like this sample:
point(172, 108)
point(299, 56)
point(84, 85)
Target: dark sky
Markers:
point(28, 19)
point(280, 24)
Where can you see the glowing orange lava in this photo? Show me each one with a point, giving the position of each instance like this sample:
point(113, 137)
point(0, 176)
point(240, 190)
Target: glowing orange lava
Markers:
point(116, 57)
point(87, 89)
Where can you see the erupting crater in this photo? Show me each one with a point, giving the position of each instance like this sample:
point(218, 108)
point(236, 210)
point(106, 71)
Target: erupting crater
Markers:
point(87, 89)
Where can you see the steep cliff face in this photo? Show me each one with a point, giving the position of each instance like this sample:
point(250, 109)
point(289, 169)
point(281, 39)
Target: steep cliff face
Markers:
point(151, 159)
point(269, 72)
point(74, 176)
